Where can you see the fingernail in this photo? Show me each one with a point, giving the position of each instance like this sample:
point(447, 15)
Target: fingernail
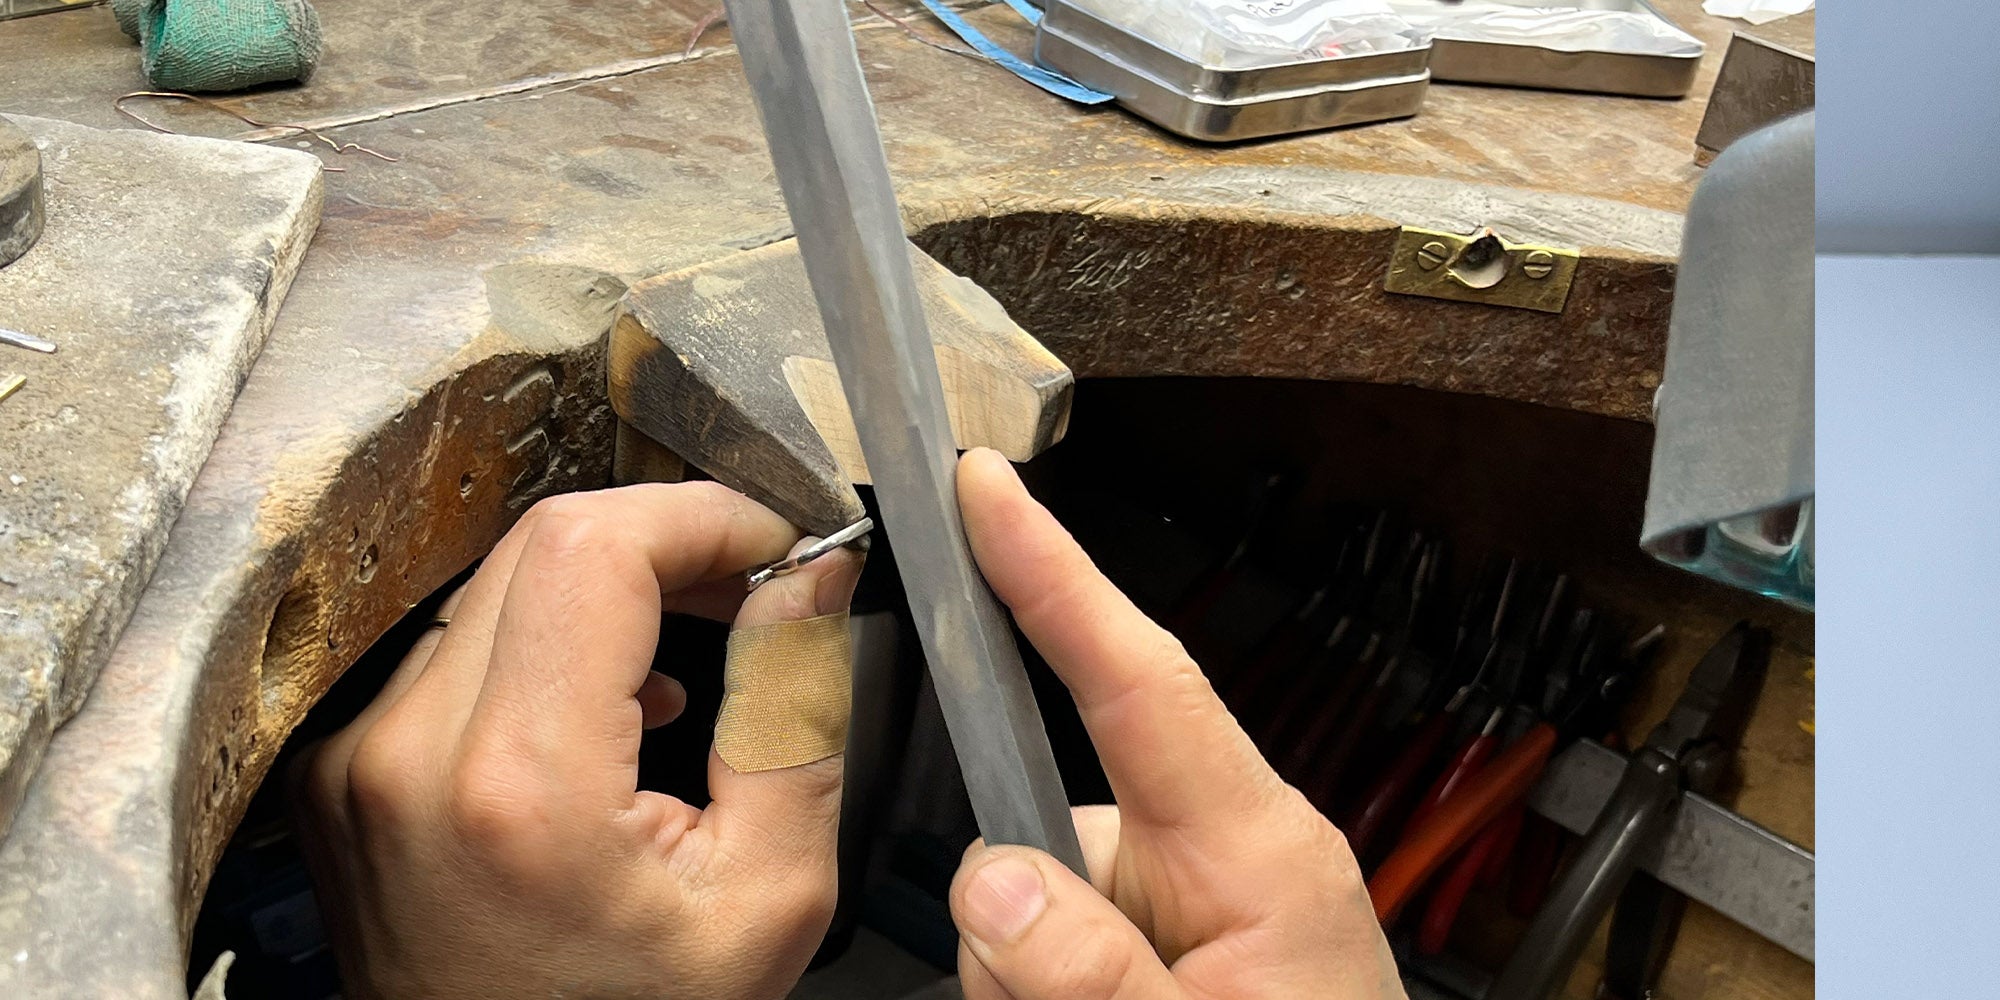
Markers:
point(836, 588)
point(1004, 897)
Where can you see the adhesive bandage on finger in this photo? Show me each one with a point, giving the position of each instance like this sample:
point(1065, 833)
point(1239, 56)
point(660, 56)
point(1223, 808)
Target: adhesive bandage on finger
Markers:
point(786, 693)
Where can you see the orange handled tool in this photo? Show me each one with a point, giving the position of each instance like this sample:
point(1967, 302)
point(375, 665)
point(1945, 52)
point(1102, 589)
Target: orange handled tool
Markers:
point(1445, 901)
point(1466, 763)
point(1456, 820)
point(1502, 855)
point(1393, 787)
point(1541, 855)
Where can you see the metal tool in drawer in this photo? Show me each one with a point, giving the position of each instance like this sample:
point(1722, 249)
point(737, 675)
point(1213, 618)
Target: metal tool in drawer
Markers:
point(1218, 105)
point(1535, 43)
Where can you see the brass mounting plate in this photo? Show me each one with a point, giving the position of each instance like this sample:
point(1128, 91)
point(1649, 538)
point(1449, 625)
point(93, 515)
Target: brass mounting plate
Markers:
point(1482, 267)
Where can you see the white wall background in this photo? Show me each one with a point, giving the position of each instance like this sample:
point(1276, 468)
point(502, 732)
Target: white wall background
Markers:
point(1909, 159)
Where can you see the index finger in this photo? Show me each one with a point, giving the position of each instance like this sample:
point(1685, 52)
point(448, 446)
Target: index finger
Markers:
point(1173, 754)
point(576, 632)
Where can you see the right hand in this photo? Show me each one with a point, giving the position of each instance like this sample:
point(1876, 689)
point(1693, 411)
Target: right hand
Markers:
point(1211, 877)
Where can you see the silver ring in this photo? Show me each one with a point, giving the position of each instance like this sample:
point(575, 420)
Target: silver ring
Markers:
point(852, 533)
point(438, 622)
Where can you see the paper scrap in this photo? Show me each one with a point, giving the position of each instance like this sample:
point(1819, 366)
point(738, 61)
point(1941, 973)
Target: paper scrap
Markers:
point(1756, 11)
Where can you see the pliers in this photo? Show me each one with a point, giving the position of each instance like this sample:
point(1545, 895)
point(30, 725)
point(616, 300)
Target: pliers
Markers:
point(1689, 751)
point(1541, 839)
point(1583, 651)
point(1318, 700)
point(1397, 614)
point(1482, 706)
point(1395, 787)
point(1304, 647)
point(1452, 819)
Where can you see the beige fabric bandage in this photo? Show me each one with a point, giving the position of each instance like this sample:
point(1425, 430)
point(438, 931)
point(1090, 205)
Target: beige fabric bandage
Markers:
point(785, 694)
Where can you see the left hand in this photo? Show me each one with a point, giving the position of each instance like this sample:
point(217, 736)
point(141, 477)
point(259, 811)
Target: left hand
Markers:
point(478, 830)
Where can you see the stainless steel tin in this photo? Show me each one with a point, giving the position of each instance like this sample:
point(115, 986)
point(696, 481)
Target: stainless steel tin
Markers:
point(1467, 59)
point(1221, 105)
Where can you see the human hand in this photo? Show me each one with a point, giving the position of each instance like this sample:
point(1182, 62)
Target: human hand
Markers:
point(477, 831)
point(1211, 877)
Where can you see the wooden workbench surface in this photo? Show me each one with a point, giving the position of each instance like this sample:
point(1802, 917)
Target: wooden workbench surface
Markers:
point(436, 367)
point(398, 60)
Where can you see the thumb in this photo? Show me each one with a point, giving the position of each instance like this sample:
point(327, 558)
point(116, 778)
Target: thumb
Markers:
point(777, 828)
point(1033, 930)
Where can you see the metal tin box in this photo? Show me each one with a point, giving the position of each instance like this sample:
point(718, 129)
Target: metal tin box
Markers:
point(1460, 55)
point(1220, 105)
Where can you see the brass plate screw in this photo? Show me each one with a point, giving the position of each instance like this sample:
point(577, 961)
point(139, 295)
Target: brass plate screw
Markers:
point(1480, 267)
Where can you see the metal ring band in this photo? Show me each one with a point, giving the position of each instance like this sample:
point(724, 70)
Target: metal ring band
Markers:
point(439, 622)
point(845, 536)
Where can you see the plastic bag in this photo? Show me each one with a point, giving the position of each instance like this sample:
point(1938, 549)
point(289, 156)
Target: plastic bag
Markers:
point(1247, 34)
point(1756, 11)
point(1565, 28)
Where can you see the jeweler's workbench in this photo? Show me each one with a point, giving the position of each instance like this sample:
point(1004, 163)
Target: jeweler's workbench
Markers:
point(438, 364)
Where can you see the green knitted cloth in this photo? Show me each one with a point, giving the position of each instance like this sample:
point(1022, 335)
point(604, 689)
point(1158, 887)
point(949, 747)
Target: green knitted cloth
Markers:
point(221, 44)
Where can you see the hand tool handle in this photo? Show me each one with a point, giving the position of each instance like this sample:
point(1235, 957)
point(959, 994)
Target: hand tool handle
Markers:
point(1453, 823)
point(1441, 911)
point(1327, 715)
point(1643, 928)
point(1541, 852)
point(1255, 691)
point(1510, 824)
point(1469, 760)
point(1393, 788)
point(1309, 694)
point(1636, 814)
point(1332, 765)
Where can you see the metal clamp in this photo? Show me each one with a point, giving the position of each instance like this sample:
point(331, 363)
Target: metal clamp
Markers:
point(1713, 855)
point(852, 533)
point(1482, 267)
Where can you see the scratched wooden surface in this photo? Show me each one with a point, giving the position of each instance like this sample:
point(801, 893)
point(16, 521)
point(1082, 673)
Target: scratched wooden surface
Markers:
point(727, 365)
point(437, 366)
point(396, 58)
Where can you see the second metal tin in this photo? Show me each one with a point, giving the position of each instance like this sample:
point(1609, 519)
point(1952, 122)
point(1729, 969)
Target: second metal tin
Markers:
point(1219, 105)
point(1462, 55)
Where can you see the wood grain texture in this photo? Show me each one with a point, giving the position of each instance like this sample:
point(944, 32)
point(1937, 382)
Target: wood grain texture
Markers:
point(1129, 289)
point(388, 60)
point(636, 458)
point(382, 58)
point(726, 364)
